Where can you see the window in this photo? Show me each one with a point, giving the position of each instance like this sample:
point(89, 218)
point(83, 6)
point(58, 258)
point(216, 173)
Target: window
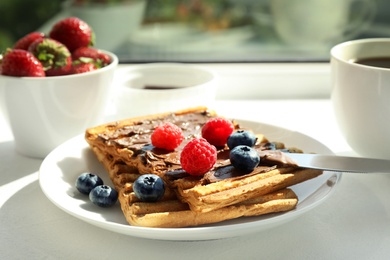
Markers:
point(206, 30)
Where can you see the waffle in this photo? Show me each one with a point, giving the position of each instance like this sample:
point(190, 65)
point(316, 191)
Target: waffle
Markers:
point(202, 196)
point(124, 148)
point(170, 212)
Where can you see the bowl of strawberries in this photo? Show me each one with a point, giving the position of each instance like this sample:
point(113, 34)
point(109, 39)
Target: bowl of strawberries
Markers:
point(54, 85)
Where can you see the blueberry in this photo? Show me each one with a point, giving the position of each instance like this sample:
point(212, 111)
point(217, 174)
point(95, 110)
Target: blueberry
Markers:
point(241, 137)
point(244, 158)
point(103, 196)
point(149, 187)
point(87, 181)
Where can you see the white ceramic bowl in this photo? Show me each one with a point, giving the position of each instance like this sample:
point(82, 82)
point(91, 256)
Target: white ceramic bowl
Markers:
point(45, 112)
point(163, 87)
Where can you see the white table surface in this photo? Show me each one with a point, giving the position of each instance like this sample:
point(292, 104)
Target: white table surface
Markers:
point(354, 223)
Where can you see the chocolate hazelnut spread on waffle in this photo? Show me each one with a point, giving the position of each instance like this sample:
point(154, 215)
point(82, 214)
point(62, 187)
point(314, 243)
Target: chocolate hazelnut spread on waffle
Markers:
point(138, 135)
point(125, 150)
point(137, 138)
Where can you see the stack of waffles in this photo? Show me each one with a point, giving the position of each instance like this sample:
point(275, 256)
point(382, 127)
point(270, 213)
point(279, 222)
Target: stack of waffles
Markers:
point(125, 149)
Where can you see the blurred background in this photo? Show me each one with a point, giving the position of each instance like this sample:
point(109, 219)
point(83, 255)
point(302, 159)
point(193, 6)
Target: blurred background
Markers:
point(205, 30)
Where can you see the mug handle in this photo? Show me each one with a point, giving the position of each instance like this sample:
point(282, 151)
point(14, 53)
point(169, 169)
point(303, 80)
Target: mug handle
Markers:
point(368, 10)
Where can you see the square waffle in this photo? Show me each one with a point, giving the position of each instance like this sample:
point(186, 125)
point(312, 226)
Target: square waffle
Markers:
point(125, 150)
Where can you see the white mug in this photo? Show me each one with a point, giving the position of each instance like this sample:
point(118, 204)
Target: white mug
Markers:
point(361, 96)
point(319, 22)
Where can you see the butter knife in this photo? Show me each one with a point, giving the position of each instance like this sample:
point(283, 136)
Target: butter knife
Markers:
point(341, 163)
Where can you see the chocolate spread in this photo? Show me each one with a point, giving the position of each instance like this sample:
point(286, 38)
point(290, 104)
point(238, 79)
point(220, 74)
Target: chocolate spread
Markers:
point(137, 138)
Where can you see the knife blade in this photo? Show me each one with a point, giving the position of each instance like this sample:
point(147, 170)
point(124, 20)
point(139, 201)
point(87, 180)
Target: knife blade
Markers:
point(341, 163)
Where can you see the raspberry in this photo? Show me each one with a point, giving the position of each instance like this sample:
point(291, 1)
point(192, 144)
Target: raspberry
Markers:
point(198, 157)
point(167, 136)
point(217, 130)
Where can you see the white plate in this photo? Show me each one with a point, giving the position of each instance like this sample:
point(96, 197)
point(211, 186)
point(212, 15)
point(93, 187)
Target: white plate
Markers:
point(63, 165)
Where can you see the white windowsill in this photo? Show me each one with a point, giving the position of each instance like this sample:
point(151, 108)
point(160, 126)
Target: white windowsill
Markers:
point(273, 80)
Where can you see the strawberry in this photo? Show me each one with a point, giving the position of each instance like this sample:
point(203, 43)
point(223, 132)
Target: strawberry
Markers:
point(99, 58)
point(73, 33)
point(82, 67)
point(25, 41)
point(54, 56)
point(21, 63)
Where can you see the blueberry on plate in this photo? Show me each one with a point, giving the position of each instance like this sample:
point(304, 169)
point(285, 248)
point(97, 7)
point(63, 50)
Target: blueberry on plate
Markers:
point(149, 187)
point(244, 158)
point(87, 181)
point(103, 196)
point(241, 137)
